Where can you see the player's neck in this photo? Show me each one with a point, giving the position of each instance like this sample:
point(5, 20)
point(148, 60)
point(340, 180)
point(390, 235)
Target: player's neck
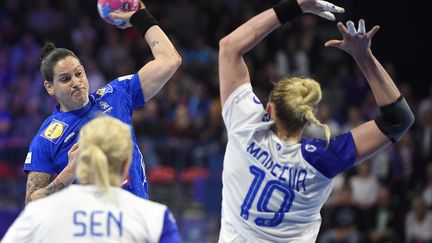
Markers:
point(288, 137)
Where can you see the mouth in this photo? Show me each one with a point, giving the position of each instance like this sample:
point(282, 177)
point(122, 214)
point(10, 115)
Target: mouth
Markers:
point(76, 91)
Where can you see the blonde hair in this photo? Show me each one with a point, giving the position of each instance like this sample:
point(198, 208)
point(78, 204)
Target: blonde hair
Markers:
point(295, 99)
point(104, 144)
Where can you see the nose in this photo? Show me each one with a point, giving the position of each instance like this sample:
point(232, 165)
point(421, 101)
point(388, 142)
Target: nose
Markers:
point(76, 82)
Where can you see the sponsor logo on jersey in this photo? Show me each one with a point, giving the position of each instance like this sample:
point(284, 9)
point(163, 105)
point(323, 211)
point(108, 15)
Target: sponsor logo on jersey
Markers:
point(105, 90)
point(266, 117)
point(102, 91)
point(54, 131)
point(28, 158)
point(310, 148)
point(105, 106)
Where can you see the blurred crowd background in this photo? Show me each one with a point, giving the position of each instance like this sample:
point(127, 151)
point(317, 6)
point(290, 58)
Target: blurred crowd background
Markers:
point(181, 132)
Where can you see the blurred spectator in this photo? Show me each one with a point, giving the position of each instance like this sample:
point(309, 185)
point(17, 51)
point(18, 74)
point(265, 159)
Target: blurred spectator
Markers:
point(427, 191)
point(345, 217)
point(364, 186)
point(354, 118)
point(382, 220)
point(425, 135)
point(292, 59)
point(425, 104)
point(418, 223)
point(356, 86)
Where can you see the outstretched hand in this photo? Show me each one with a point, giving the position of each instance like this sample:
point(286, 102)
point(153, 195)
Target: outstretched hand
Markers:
point(321, 8)
point(355, 42)
point(125, 16)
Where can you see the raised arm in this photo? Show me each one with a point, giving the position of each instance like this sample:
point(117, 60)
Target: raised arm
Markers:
point(232, 68)
point(396, 117)
point(154, 74)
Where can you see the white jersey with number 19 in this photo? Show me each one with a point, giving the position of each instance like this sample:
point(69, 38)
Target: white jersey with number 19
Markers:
point(273, 191)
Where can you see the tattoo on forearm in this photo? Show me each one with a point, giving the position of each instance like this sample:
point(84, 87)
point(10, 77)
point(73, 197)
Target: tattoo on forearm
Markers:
point(38, 186)
point(154, 43)
point(36, 181)
point(53, 187)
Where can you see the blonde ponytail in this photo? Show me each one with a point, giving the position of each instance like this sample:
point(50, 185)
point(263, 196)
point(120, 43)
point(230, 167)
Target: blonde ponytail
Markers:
point(94, 163)
point(294, 99)
point(105, 145)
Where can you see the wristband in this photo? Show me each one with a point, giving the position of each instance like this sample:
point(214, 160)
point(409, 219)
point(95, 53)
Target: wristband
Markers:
point(287, 10)
point(142, 20)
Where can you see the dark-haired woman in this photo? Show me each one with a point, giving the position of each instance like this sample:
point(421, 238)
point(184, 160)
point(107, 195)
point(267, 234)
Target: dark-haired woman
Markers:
point(47, 164)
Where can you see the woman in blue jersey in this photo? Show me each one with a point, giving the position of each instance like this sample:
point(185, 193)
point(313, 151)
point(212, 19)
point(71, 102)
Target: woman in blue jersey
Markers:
point(47, 162)
point(275, 182)
point(97, 210)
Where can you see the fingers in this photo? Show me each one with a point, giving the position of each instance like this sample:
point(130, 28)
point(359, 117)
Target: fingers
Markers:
point(327, 15)
point(372, 32)
point(117, 15)
point(334, 43)
point(330, 7)
point(141, 5)
point(351, 28)
point(342, 28)
point(361, 28)
point(73, 148)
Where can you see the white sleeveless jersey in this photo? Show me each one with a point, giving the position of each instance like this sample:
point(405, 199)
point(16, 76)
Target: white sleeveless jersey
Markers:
point(81, 213)
point(272, 191)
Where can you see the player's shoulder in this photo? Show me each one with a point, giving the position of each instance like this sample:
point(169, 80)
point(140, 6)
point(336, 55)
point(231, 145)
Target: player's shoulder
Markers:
point(332, 158)
point(115, 85)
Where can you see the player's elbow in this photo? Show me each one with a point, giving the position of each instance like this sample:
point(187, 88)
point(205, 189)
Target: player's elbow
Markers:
point(395, 119)
point(174, 62)
point(227, 46)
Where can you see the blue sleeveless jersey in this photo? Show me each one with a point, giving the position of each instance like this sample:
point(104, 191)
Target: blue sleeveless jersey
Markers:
point(49, 148)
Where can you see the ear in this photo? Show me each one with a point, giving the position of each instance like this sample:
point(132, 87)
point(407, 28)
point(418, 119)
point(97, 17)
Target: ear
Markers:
point(269, 108)
point(49, 87)
point(125, 167)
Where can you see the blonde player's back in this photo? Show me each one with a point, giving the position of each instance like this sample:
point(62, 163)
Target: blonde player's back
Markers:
point(84, 214)
point(283, 184)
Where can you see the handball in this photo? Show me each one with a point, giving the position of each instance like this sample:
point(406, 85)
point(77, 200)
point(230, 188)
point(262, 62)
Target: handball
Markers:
point(105, 7)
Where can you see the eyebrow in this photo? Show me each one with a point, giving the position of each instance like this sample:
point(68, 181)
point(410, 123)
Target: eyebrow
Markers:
point(68, 73)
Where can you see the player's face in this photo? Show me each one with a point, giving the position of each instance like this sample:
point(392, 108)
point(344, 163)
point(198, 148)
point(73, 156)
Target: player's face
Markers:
point(70, 84)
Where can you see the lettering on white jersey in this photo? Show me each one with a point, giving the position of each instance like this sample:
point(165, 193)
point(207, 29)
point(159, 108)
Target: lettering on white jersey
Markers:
point(69, 136)
point(310, 148)
point(294, 176)
point(243, 96)
point(98, 223)
point(28, 158)
point(54, 131)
